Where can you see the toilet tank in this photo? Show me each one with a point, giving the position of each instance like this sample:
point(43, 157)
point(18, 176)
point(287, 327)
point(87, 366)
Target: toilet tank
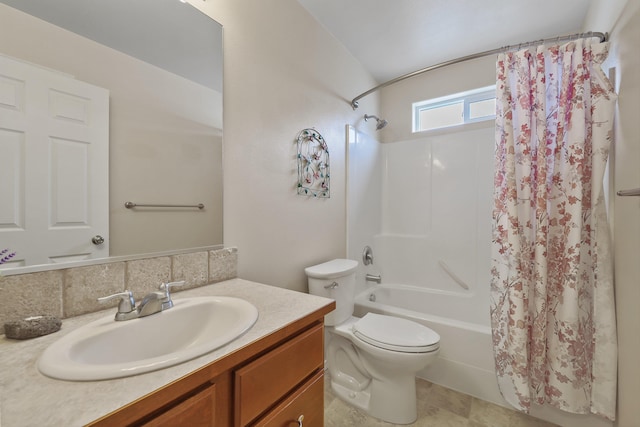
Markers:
point(335, 279)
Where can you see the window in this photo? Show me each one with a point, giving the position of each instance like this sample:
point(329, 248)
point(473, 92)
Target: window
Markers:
point(458, 109)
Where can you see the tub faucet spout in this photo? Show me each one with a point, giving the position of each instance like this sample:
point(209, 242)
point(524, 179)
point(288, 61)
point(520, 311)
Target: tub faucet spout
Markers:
point(373, 278)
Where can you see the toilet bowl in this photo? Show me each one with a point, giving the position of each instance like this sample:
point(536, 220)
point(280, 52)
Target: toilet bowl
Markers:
point(372, 361)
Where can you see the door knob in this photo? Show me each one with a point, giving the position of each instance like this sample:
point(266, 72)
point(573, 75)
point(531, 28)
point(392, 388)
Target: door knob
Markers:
point(97, 240)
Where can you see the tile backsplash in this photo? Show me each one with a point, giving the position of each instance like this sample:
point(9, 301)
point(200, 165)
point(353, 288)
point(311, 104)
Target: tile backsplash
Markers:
point(74, 291)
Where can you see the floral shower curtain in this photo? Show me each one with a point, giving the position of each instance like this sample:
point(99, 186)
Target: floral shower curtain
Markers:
point(552, 306)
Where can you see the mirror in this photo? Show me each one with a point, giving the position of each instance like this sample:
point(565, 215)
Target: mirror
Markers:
point(160, 63)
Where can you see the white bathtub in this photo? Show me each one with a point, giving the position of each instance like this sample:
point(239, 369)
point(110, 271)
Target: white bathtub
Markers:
point(463, 310)
point(465, 362)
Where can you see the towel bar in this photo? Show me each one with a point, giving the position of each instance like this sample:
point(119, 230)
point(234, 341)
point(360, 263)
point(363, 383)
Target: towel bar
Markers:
point(634, 192)
point(131, 205)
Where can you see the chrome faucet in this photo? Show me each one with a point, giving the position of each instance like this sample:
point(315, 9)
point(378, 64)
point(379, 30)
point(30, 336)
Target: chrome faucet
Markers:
point(373, 278)
point(152, 303)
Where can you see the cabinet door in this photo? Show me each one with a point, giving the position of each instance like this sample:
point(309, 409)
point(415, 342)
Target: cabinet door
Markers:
point(196, 411)
point(265, 381)
point(305, 407)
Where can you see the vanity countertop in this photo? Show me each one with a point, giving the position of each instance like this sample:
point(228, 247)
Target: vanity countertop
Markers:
point(28, 398)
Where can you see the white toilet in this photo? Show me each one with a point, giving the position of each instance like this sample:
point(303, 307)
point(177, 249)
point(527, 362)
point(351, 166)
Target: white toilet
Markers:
point(372, 361)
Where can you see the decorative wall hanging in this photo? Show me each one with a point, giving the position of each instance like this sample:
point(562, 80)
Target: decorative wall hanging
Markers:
point(313, 164)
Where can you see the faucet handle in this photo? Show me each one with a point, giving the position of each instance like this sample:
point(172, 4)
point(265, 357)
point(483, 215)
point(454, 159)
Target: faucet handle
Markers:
point(166, 288)
point(127, 303)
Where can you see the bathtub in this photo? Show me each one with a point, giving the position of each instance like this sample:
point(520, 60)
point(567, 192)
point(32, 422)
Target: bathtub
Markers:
point(465, 362)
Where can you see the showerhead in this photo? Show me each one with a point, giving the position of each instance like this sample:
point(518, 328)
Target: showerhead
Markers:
point(380, 122)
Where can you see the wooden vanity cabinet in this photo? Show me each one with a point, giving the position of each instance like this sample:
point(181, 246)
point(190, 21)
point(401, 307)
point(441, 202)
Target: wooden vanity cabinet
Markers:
point(270, 382)
point(287, 370)
point(305, 404)
point(200, 399)
point(196, 411)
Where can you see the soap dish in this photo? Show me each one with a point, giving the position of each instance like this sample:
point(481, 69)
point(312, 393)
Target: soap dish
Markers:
point(31, 327)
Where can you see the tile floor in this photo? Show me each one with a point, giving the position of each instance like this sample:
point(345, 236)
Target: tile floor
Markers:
point(437, 407)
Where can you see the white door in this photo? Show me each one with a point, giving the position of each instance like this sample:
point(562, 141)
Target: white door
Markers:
point(54, 165)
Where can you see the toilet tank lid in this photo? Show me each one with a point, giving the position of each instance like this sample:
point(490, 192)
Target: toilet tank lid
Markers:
point(332, 269)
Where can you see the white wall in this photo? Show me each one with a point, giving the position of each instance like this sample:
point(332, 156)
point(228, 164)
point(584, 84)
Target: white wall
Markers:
point(396, 99)
point(282, 73)
point(622, 19)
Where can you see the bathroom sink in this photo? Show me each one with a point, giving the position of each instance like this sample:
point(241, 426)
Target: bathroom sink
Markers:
point(106, 349)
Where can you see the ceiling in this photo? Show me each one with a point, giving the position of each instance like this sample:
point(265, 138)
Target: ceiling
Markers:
point(389, 37)
point(395, 37)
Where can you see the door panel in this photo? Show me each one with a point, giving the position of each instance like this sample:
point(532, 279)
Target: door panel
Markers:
point(54, 154)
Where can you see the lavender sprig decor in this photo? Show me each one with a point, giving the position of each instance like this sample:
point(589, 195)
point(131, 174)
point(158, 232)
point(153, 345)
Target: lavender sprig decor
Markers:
point(6, 255)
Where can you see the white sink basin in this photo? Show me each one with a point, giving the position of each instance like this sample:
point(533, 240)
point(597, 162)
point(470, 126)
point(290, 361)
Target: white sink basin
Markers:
point(106, 349)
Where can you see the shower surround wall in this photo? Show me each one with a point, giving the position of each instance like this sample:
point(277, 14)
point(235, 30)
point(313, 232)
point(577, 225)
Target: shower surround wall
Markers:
point(424, 206)
point(436, 206)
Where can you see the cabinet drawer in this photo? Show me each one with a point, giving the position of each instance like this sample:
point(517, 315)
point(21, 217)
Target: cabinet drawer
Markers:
point(268, 379)
point(306, 405)
point(196, 411)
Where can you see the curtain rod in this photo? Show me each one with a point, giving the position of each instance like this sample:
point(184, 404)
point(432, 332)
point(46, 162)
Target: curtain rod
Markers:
point(603, 37)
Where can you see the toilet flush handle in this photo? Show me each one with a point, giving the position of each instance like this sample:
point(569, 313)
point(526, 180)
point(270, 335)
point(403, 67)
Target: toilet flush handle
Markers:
point(331, 285)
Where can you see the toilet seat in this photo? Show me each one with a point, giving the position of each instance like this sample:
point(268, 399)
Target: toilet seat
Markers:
point(395, 334)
